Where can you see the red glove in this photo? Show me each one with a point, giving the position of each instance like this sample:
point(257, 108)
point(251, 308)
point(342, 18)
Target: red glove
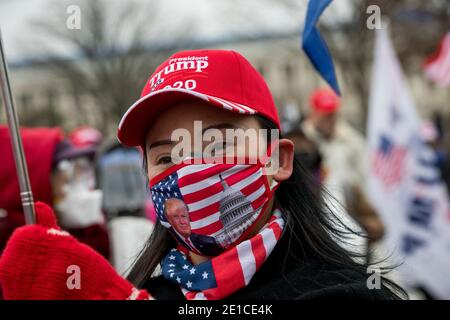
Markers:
point(43, 262)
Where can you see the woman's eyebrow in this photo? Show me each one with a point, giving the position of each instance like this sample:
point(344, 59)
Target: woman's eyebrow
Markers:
point(220, 126)
point(170, 142)
point(160, 143)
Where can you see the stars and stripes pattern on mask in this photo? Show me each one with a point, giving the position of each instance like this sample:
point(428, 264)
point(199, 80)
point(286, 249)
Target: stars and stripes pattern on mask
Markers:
point(200, 187)
point(228, 272)
point(178, 269)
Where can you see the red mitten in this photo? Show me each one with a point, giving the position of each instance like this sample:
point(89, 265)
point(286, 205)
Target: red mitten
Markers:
point(43, 262)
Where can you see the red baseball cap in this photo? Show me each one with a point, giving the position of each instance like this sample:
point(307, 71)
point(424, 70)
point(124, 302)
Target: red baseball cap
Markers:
point(82, 142)
point(85, 136)
point(324, 100)
point(224, 79)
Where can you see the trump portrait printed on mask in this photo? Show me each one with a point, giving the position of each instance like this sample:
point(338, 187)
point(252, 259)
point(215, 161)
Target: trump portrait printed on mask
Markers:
point(177, 214)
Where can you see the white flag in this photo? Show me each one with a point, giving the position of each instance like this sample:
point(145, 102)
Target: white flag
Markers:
point(404, 183)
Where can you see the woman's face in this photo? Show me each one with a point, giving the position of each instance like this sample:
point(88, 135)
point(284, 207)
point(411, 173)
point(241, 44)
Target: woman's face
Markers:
point(182, 116)
point(159, 145)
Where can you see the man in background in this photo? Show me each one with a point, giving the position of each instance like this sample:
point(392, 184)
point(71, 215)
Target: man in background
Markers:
point(61, 175)
point(344, 158)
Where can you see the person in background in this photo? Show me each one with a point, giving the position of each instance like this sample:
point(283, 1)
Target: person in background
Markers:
point(39, 147)
point(77, 202)
point(430, 134)
point(126, 203)
point(310, 157)
point(60, 174)
point(344, 157)
point(307, 152)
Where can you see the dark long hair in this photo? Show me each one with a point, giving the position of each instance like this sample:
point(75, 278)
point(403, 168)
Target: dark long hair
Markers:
point(312, 227)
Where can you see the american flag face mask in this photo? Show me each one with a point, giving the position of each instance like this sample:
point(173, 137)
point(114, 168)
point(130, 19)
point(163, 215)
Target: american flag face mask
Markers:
point(210, 207)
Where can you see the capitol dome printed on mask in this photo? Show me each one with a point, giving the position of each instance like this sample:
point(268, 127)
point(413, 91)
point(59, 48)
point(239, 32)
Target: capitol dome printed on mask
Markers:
point(236, 214)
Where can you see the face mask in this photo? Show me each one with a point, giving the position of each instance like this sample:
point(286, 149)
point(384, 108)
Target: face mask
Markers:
point(80, 208)
point(209, 208)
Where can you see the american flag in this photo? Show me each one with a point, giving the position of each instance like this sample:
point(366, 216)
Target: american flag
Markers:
point(199, 187)
point(437, 66)
point(389, 161)
point(225, 274)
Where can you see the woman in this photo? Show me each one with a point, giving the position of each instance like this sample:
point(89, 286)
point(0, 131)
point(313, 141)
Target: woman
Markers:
point(249, 199)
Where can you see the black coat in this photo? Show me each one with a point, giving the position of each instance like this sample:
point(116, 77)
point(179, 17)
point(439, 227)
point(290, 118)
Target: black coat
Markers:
point(205, 244)
point(284, 277)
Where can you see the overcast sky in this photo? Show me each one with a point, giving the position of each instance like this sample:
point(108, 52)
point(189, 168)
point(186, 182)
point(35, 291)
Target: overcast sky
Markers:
point(206, 18)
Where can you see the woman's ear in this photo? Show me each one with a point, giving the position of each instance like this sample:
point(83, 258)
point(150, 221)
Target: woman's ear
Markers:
point(285, 160)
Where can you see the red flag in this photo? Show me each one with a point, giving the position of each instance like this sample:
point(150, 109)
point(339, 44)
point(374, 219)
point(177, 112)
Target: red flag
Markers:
point(437, 66)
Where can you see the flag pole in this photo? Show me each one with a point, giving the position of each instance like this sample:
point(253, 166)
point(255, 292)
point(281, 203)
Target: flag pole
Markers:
point(26, 194)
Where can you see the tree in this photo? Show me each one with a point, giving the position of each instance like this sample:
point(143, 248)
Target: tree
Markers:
point(112, 60)
point(411, 22)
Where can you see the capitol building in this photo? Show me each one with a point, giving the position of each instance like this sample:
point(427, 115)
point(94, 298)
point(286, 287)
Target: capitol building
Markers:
point(236, 214)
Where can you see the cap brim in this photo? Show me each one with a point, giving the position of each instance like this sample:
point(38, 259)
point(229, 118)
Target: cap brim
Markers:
point(74, 153)
point(138, 119)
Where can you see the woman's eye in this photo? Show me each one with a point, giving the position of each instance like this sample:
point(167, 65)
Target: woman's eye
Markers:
point(219, 147)
point(164, 160)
